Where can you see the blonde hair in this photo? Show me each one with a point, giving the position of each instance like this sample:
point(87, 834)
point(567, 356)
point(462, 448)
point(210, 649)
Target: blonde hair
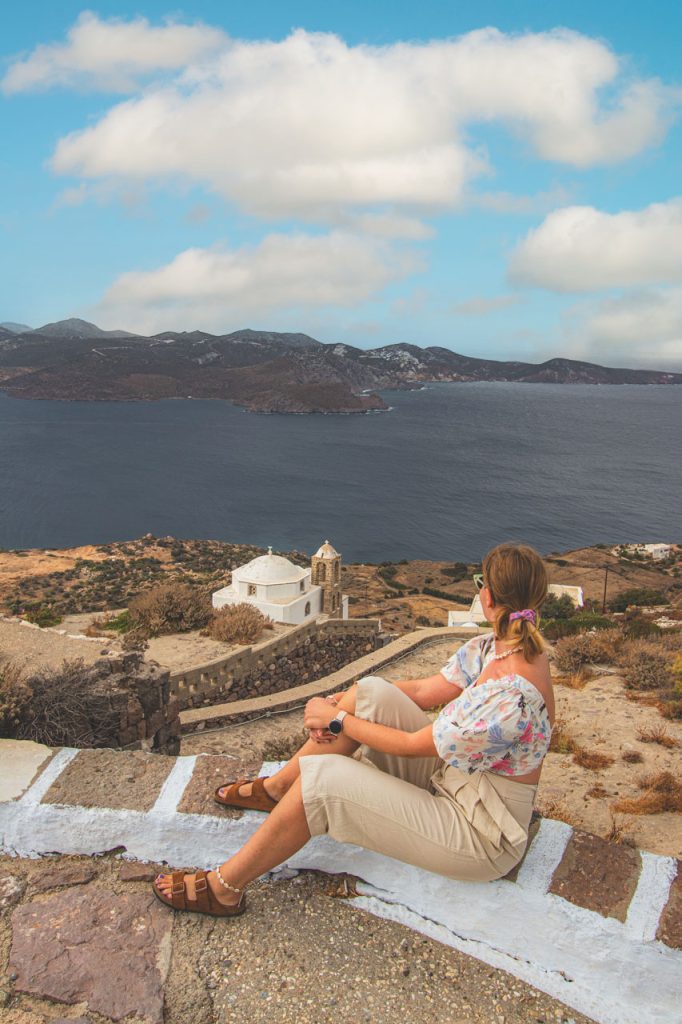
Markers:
point(517, 579)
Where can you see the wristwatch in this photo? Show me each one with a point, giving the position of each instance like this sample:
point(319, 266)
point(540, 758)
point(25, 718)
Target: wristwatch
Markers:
point(336, 724)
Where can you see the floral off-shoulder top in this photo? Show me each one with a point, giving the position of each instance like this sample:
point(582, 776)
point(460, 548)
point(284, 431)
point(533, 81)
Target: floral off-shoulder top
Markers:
point(501, 725)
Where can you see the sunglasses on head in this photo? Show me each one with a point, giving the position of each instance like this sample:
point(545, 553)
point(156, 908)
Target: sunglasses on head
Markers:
point(478, 580)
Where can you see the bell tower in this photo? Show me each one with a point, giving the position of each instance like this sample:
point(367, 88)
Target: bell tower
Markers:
point(326, 573)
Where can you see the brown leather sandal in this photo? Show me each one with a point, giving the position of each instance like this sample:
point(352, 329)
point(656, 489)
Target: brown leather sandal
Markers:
point(205, 902)
point(259, 799)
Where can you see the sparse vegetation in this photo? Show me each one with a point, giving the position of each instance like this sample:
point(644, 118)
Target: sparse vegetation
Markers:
point(238, 624)
point(632, 757)
point(657, 734)
point(641, 596)
point(593, 760)
point(662, 792)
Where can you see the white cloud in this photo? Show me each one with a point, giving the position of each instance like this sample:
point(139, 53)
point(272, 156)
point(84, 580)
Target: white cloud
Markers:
point(111, 54)
point(511, 202)
point(641, 327)
point(579, 248)
point(218, 287)
point(309, 125)
point(480, 305)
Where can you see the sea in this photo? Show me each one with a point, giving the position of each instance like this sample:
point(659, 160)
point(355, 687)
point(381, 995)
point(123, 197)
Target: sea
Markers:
point(448, 472)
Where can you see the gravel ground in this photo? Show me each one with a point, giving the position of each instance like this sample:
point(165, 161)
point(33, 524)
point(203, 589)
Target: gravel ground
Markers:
point(299, 955)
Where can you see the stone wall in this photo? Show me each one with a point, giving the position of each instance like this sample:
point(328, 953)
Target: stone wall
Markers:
point(119, 701)
point(303, 654)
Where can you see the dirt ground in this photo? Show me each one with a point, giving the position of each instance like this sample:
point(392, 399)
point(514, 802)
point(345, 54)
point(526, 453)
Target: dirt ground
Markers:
point(600, 718)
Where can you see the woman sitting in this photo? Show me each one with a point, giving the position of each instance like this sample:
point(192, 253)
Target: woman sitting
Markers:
point(453, 796)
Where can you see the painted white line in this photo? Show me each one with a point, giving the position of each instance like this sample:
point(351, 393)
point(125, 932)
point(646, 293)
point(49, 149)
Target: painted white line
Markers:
point(651, 895)
point(174, 786)
point(52, 771)
point(544, 855)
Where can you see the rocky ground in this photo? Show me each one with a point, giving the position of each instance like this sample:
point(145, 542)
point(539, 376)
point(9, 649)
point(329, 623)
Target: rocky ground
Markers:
point(72, 929)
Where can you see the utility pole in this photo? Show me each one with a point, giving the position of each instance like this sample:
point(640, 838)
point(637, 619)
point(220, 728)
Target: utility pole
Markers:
point(606, 578)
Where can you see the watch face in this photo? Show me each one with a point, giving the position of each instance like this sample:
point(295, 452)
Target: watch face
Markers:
point(335, 726)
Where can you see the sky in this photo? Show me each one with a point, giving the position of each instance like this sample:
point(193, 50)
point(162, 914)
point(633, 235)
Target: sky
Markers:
point(501, 179)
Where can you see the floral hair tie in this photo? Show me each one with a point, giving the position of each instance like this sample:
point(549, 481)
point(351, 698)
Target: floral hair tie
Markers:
point(528, 614)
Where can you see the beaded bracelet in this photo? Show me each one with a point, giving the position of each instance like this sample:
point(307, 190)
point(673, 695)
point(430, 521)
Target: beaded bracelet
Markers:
point(225, 885)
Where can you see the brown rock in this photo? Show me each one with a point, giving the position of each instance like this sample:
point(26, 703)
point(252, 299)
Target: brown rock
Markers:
point(597, 875)
point(78, 945)
point(670, 925)
point(52, 875)
point(136, 871)
point(11, 890)
point(130, 779)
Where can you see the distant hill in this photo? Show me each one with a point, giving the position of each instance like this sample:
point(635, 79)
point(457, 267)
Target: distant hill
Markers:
point(15, 328)
point(75, 328)
point(263, 370)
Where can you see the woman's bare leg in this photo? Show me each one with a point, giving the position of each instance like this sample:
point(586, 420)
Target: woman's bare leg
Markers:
point(282, 834)
point(277, 785)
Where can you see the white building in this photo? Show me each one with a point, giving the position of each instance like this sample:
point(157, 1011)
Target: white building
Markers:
point(658, 552)
point(279, 589)
point(475, 613)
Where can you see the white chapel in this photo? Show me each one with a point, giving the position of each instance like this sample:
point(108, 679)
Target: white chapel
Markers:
point(287, 592)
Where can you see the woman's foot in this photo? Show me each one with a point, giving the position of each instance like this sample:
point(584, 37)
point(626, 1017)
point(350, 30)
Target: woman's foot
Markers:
point(274, 789)
point(224, 896)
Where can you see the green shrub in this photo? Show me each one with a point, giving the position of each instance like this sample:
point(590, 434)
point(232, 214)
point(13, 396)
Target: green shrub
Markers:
point(557, 607)
point(677, 674)
point(640, 628)
point(458, 571)
point(238, 624)
point(637, 596)
point(456, 598)
point(41, 614)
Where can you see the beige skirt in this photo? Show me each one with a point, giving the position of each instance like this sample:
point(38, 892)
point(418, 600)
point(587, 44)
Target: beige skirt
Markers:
point(416, 809)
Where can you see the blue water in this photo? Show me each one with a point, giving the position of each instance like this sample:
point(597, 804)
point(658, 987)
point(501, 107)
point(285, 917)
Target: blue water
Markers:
point(450, 471)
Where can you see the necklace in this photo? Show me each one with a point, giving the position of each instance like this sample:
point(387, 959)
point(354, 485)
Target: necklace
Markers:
point(505, 654)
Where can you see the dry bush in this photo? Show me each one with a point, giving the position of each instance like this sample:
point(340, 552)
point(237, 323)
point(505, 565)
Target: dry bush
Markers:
point(14, 698)
point(657, 734)
point(605, 645)
point(576, 680)
point(66, 709)
point(597, 791)
point(672, 709)
point(134, 640)
point(616, 832)
point(558, 810)
point(662, 792)
point(645, 665)
point(170, 608)
point(591, 759)
point(573, 652)
point(238, 624)
point(632, 756)
point(562, 742)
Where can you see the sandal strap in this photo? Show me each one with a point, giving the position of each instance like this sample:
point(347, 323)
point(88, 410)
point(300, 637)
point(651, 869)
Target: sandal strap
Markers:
point(178, 890)
point(203, 892)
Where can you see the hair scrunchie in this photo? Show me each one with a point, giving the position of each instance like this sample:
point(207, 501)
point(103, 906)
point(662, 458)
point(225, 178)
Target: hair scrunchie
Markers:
point(528, 614)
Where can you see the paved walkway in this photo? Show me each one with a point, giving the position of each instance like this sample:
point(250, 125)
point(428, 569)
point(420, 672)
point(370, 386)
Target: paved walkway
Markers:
point(595, 925)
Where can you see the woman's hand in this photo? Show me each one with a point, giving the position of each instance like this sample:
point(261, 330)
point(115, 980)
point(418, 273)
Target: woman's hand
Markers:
point(318, 714)
point(324, 735)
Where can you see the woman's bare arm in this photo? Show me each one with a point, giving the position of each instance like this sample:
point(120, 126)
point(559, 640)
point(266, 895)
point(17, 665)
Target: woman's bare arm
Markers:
point(319, 713)
point(430, 691)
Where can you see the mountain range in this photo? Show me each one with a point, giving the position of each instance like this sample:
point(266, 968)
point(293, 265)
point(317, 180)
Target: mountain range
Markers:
point(264, 371)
